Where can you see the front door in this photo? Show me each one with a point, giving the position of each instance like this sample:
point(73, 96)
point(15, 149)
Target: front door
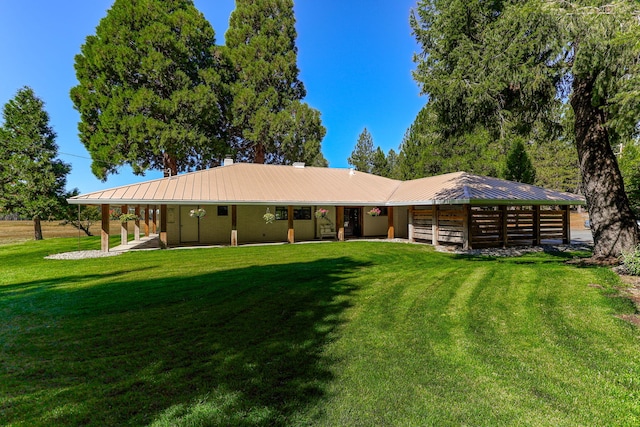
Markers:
point(352, 222)
point(189, 227)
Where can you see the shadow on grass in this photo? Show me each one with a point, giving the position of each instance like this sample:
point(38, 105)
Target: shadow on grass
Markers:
point(237, 347)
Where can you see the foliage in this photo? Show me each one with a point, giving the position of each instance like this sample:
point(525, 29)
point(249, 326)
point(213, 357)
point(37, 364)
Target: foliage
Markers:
point(361, 157)
point(270, 123)
point(518, 166)
point(152, 89)
point(508, 66)
point(631, 261)
point(339, 335)
point(82, 217)
point(629, 159)
point(128, 217)
point(428, 151)
point(32, 179)
point(268, 217)
point(197, 213)
point(321, 213)
point(379, 163)
point(374, 212)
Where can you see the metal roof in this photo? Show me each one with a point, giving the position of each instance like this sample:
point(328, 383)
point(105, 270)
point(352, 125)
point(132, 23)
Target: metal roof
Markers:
point(251, 184)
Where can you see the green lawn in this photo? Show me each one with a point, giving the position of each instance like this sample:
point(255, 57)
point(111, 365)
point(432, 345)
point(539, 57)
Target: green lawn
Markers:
point(332, 334)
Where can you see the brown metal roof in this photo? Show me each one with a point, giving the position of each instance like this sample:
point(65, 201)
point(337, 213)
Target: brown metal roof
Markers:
point(247, 183)
point(463, 188)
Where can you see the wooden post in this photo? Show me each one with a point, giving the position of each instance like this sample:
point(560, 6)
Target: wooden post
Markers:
point(466, 227)
point(566, 225)
point(234, 225)
point(435, 229)
point(154, 220)
point(146, 221)
point(164, 242)
point(136, 226)
point(391, 231)
point(291, 232)
point(503, 210)
point(104, 232)
point(124, 227)
point(340, 220)
point(410, 220)
point(536, 225)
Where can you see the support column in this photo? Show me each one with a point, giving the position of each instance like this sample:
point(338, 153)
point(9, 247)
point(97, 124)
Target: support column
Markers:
point(124, 226)
point(536, 225)
point(146, 220)
point(435, 228)
point(291, 232)
point(104, 232)
point(410, 225)
point(505, 230)
point(234, 225)
point(164, 243)
point(154, 218)
point(136, 224)
point(391, 231)
point(566, 225)
point(340, 220)
point(466, 227)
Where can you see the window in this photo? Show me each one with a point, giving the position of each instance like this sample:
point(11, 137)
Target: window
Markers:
point(300, 212)
point(282, 213)
point(223, 210)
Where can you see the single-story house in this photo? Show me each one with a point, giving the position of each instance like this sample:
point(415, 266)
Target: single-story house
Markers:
point(227, 205)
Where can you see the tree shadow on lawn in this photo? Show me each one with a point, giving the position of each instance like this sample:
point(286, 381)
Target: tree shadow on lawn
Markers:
point(237, 347)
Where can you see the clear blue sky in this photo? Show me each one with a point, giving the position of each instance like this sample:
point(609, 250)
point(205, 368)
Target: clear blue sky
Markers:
point(355, 59)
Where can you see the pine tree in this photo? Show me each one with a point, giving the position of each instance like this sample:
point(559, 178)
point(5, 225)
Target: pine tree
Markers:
point(507, 66)
point(518, 166)
point(362, 155)
point(32, 180)
point(152, 89)
point(270, 123)
point(379, 163)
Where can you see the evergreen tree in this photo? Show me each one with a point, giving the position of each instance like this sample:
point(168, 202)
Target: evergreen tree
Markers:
point(392, 164)
point(507, 65)
point(379, 163)
point(362, 155)
point(270, 123)
point(518, 166)
point(32, 180)
point(152, 91)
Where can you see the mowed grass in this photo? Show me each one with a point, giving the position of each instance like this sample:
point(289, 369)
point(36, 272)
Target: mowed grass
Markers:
point(331, 334)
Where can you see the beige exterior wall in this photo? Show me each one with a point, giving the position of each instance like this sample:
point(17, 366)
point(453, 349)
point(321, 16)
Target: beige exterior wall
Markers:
point(215, 229)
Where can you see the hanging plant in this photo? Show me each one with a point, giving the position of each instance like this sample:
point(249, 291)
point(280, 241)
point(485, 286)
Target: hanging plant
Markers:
point(374, 212)
point(197, 213)
point(268, 217)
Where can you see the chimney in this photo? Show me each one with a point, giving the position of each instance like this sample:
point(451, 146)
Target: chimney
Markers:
point(299, 165)
point(227, 161)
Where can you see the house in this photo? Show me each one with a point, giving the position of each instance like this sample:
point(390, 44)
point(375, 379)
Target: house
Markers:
point(309, 203)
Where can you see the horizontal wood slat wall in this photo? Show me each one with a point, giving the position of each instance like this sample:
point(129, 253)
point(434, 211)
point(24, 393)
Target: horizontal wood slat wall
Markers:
point(498, 226)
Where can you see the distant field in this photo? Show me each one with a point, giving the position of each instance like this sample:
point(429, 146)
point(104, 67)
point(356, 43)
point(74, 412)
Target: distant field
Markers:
point(20, 231)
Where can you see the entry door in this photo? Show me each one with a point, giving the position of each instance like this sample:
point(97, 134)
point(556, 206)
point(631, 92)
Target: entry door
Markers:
point(189, 226)
point(352, 222)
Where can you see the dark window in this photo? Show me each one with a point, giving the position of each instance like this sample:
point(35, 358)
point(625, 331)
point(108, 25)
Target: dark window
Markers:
point(223, 210)
point(282, 213)
point(302, 213)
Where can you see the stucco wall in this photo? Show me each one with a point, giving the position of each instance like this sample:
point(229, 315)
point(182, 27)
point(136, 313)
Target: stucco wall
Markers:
point(216, 229)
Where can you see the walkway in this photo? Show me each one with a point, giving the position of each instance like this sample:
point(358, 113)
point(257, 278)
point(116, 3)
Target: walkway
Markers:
point(148, 242)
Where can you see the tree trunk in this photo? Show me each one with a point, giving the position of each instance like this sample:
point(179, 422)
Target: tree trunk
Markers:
point(170, 165)
point(37, 228)
point(613, 225)
point(259, 153)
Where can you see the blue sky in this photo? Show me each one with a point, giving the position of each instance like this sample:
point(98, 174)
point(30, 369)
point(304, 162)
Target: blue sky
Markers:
point(355, 59)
